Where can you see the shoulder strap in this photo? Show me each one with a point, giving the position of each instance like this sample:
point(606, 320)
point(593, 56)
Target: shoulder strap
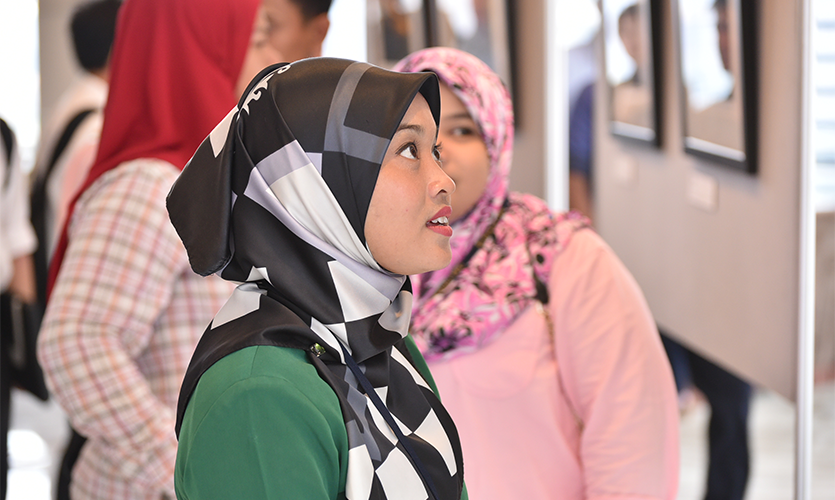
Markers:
point(65, 138)
point(38, 203)
point(8, 142)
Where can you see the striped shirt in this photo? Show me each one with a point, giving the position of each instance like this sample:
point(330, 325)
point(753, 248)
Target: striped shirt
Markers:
point(120, 327)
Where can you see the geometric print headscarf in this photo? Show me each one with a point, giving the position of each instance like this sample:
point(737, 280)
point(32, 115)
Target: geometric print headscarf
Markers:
point(459, 311)
point(276, 199)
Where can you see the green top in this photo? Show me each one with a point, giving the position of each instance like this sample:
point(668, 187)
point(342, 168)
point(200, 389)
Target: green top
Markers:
point(247, 418)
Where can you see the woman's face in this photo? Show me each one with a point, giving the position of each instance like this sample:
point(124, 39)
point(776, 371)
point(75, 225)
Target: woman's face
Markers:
point(463, 153)
point(260, 53)
point(281, 34)
point(291, 33)
point(406, 228)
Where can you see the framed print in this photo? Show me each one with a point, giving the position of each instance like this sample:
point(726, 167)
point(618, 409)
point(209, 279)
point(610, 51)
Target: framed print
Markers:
point(717, 53)
point(396, 28)
point(481, 27)
point(632, 53)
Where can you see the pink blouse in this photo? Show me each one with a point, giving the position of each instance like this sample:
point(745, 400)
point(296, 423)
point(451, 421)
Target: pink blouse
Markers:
point(589, 414)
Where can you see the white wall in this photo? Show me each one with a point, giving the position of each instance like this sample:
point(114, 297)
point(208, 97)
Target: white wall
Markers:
point(528, 172)
point(20, 81)
point(723, 281)
point(59, 67)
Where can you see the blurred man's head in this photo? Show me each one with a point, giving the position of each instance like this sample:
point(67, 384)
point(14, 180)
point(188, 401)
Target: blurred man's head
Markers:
point(297, 28)
point(93, 25)
point(721, 8)
point(284, 31)
point(629, 29)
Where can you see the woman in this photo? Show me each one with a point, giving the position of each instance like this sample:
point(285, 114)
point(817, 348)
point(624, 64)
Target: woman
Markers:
point(126, 312)
point(17, 277)
point(321, 194)
point(540, 341)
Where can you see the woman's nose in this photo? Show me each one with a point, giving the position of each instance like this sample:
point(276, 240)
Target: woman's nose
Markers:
point(442, 184)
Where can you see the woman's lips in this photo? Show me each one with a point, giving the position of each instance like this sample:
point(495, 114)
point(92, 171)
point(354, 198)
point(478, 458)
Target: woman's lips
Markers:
point(442, 230)
point(443, 212)
point(440, 222)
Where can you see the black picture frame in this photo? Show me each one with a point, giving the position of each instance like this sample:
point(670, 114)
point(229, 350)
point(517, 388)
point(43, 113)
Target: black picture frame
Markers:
point(719, 105)
point(485, 29)
point(395, 31)
point(633, 42)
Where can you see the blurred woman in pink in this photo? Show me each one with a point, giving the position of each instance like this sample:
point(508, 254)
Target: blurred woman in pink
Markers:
point(541, 343)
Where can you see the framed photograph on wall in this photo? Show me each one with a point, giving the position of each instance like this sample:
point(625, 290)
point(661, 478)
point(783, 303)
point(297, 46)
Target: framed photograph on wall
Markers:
point(632, 48)
point(717, 54)
point(483, 28)
point(396, 28)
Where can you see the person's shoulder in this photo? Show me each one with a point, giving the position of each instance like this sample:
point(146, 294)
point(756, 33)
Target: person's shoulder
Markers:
point(279, 364)
point(261, 408)
point(537, 217)
point(527, 212)
point(133, 187)
point(269, 370)
point(88, 92)
point(531, 207)
point(257, 385)
point(149, 169)
point(133, 178)
point(527, 202)
point(581, 241)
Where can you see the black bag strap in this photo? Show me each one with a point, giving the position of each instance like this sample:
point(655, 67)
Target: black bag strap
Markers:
point(8, 142)
point(64, 139)
point(38, 202)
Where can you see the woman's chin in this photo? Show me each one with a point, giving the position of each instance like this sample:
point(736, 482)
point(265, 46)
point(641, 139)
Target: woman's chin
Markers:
point(442, 262)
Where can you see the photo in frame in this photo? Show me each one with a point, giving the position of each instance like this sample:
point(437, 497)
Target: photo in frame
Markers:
point(717, 54)
point(396, 28)
point(483, 28)
point(632, 49)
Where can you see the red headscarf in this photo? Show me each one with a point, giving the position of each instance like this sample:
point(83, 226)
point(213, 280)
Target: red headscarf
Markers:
point(175, 65)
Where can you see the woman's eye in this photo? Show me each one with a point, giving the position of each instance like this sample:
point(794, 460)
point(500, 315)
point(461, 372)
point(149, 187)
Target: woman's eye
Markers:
point(436, 153)
point(409, 151)
point(463, 131)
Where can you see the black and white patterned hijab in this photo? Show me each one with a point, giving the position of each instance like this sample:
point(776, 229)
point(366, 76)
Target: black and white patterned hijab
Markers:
point(276, 198)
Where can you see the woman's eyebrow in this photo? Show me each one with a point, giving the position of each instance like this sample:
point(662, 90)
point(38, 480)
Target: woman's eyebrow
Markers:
point(410, 126)
point(458, 116)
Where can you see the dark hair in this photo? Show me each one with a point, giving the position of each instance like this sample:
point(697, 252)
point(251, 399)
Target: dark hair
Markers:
point(92, 28)
point(312, 8)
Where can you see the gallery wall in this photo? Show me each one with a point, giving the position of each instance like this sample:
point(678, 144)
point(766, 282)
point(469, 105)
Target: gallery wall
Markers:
point(716, 250)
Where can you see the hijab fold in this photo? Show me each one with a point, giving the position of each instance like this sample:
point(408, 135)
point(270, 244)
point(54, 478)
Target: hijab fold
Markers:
point(465, 305)
point(276, 198)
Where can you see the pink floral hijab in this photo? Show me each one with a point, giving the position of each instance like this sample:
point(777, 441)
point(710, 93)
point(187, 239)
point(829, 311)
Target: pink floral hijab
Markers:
point(492, 279)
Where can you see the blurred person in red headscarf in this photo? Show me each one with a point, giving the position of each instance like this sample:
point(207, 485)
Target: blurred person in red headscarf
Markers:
point(125, 310)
